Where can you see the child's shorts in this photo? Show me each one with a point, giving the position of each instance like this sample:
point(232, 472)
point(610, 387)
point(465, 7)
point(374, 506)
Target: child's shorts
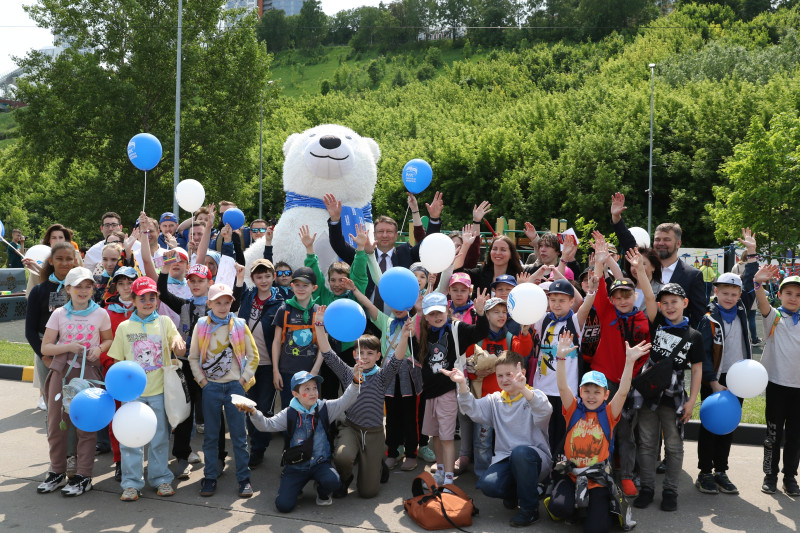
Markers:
point(441, 414)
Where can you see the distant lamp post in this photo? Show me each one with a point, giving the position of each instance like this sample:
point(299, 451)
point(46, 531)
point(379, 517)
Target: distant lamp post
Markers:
point(650, 172)
point(261, 158)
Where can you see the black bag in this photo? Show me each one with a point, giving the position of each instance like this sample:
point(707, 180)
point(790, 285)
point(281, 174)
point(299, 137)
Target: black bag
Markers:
point(656, 377)
point(298, 454)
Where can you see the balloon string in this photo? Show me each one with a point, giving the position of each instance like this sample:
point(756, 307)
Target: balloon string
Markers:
point(145, 191)
point(13, 248)
point(360, 375)
point(403, 225)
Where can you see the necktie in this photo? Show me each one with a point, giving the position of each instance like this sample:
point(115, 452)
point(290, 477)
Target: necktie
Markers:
point(378, 300)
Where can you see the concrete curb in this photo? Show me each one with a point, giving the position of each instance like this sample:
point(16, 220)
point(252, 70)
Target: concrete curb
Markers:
point(16, 372)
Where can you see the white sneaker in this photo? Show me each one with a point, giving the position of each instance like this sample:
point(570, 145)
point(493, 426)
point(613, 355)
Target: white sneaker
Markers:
point(321, 502)
point(72, 466)
point(201, 428)
point(52, 482)
point(182, 469)
point(193, 458)
point(42, 404)
point(77, 486)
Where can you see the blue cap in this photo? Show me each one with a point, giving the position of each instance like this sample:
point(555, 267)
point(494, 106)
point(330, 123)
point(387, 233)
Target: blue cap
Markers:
point(562, 286)
point(301, 377)
point(128, 272)
point(598, 378)
point(168, 217)
point(505, 278)
point(434, 301)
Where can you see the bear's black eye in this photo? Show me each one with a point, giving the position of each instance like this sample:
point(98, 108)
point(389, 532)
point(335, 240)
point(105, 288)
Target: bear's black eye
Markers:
point(348, 138)
point(313, 135)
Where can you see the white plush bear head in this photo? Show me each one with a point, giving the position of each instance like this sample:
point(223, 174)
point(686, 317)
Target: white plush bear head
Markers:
point(331, 159)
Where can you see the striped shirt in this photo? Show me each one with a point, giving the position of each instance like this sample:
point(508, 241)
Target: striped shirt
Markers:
point(367, 412)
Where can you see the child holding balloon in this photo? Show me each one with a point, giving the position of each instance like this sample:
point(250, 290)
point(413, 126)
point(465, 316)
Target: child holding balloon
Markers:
point(147, 339)
point(79, 327)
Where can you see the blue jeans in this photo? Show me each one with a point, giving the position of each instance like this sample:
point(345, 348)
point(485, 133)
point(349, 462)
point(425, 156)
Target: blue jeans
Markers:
point(157, 456)
point(751, 323)
point(286, 393)
point(482, 448)
point(515, 477)
point(295, 477)
point(263, 393)
point(217, 396)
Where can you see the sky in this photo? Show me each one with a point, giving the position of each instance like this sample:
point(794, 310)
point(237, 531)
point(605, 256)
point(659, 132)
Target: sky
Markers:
point(18, 33)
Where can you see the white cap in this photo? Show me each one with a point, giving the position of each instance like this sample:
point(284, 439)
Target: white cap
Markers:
point(76, 275)
point(729, 278)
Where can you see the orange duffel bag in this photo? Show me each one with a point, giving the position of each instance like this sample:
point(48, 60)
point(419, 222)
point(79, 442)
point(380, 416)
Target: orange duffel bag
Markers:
point(439, 508)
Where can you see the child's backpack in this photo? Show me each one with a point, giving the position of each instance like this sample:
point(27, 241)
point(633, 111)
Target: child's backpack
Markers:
point(300, 334)
point(438, 507)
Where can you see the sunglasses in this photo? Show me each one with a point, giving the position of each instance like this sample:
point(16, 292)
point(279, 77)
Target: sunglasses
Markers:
point(258, 230)
point(283, 272)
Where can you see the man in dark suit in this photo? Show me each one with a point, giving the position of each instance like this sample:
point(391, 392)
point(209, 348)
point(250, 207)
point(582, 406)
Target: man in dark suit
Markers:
point(386, 232)
point(666, 243)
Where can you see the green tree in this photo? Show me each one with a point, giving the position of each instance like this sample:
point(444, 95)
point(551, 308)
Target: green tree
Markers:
point(273, 28)
point(83, 107)
point(312, 25)
point(761, 189)
point(453, 14)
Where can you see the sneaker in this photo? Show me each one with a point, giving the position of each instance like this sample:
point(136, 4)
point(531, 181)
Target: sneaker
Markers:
point(42, 405)
point(72, 466)
point(790, 486)
point(324, 501)
point(669, 500)
point(724, 484)
point(524, 517)
point(245, 489)
point(208, 487)
point(183, 469)
point(165, 489)
point(401, 450)
point(220, 467)
point(645, 498)
point(757, 342)
point(770, 485)
point(629, 487)
point(118, 471)
point(193, 458)
point(462, 463)
point(706, 484)
point(390, 462)
point(129, 495)
point(201, 428)
point(409, 464)
point(341, 492)
point(547, 508)
point(101, 449)
point(426, 454)
point(77, 486)
point(52, 482)
point(662, 467)
point(438, 477)
point(256, 458)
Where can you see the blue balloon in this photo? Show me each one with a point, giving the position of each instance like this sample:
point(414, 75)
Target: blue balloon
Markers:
point(2, 230)
point(92, 409)
point(125, 381)
point(144, 151)
point(345, 320)
point(417, 175)
point(234, 217)
point(399, 288)
point(721, 412)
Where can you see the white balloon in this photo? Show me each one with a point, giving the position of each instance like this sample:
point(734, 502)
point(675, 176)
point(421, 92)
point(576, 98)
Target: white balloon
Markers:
point(437, 252)
point(190, 195)
point(747, 378)
point(39, 253)
point(641, 236)
point(527, 303)
point(134, 424)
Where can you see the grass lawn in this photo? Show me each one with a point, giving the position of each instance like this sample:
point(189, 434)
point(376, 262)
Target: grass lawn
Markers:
point(13, 353)
point(752, 410)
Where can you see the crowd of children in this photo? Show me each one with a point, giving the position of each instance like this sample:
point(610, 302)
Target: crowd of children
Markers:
point(572, 410)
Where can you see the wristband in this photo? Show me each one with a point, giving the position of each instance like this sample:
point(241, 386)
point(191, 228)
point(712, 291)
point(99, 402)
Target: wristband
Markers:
point(753, 256)
point(434, 220)
point(415, 212)
point(591, 293)
point(320, 324)
point(477, 222)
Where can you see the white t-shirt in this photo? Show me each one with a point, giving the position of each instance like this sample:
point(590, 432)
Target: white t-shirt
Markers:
point(733, 349)
point(781, 355)
point(544, 375)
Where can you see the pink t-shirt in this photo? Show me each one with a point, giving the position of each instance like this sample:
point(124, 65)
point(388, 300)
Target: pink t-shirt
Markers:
point(84, 330)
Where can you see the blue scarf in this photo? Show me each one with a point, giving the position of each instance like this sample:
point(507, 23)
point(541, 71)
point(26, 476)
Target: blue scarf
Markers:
point(624, 316)
point(395, 323)
point(728, 315)
point(461, 308)
point(497, 336)
point(120, 308)
point(173, 281)
point(684, 323)
point(295, 404)
point(54, 279)
point(555, 320)
point(199, 300)
point(350, 215)
point(219, 322)
point(144, 321)
point(106, 275)
point(83, 312)
point(794, 314)
point(441, 331)
point(370, 372)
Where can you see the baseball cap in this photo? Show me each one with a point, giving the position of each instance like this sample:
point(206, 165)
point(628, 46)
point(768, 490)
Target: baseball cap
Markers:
point(562, 286)
point(612, 249)
point(460, 277)
point(545, 285)
point(301, 377)
point(217, 290)
point(168, 217)
point(418, 267)
point(128, 272)
point(505, 278)
point(622, 283)
point(199, 270)
point(435, 301)
point(671, 288)
point(182, 254)
point(305, 274)
point(491, 302)
point(144, 285)
point(729, 278)
point(262, 262)
point(585, 273)
point(76, 275)
point(791, 280)
point(598, 378)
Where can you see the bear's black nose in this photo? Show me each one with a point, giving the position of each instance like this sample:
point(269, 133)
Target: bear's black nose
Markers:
point(330, 142)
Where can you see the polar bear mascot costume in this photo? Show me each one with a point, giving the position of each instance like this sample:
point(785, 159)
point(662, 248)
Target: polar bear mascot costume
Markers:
point(325, 159)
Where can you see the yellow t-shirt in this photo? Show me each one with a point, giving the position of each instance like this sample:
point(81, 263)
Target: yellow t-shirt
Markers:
point(149, 348)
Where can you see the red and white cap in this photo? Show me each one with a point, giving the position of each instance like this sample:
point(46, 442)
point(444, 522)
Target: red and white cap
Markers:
point(181, 253)
point(144, 285)
point(200, 270)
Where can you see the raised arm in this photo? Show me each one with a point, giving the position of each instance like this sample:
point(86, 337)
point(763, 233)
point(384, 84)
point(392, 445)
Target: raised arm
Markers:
point(566, 348)
point(147, 257)
point(363, 301)
point(335, 236)
point(764, 274)
point(202, 247)
point(583, 312)
point(636, 261)
point(632, 354)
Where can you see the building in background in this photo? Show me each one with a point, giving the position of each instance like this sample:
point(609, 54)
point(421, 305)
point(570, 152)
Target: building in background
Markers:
point(289, 7)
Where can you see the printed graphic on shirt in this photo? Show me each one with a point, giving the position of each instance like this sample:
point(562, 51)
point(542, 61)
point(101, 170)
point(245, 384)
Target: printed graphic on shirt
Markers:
point(586, 442)
point(665, 343)
point(218, 361)
point(494, 348)
point(79, 334)
point(146, 350)
point(437, 355)
point(57, 299)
